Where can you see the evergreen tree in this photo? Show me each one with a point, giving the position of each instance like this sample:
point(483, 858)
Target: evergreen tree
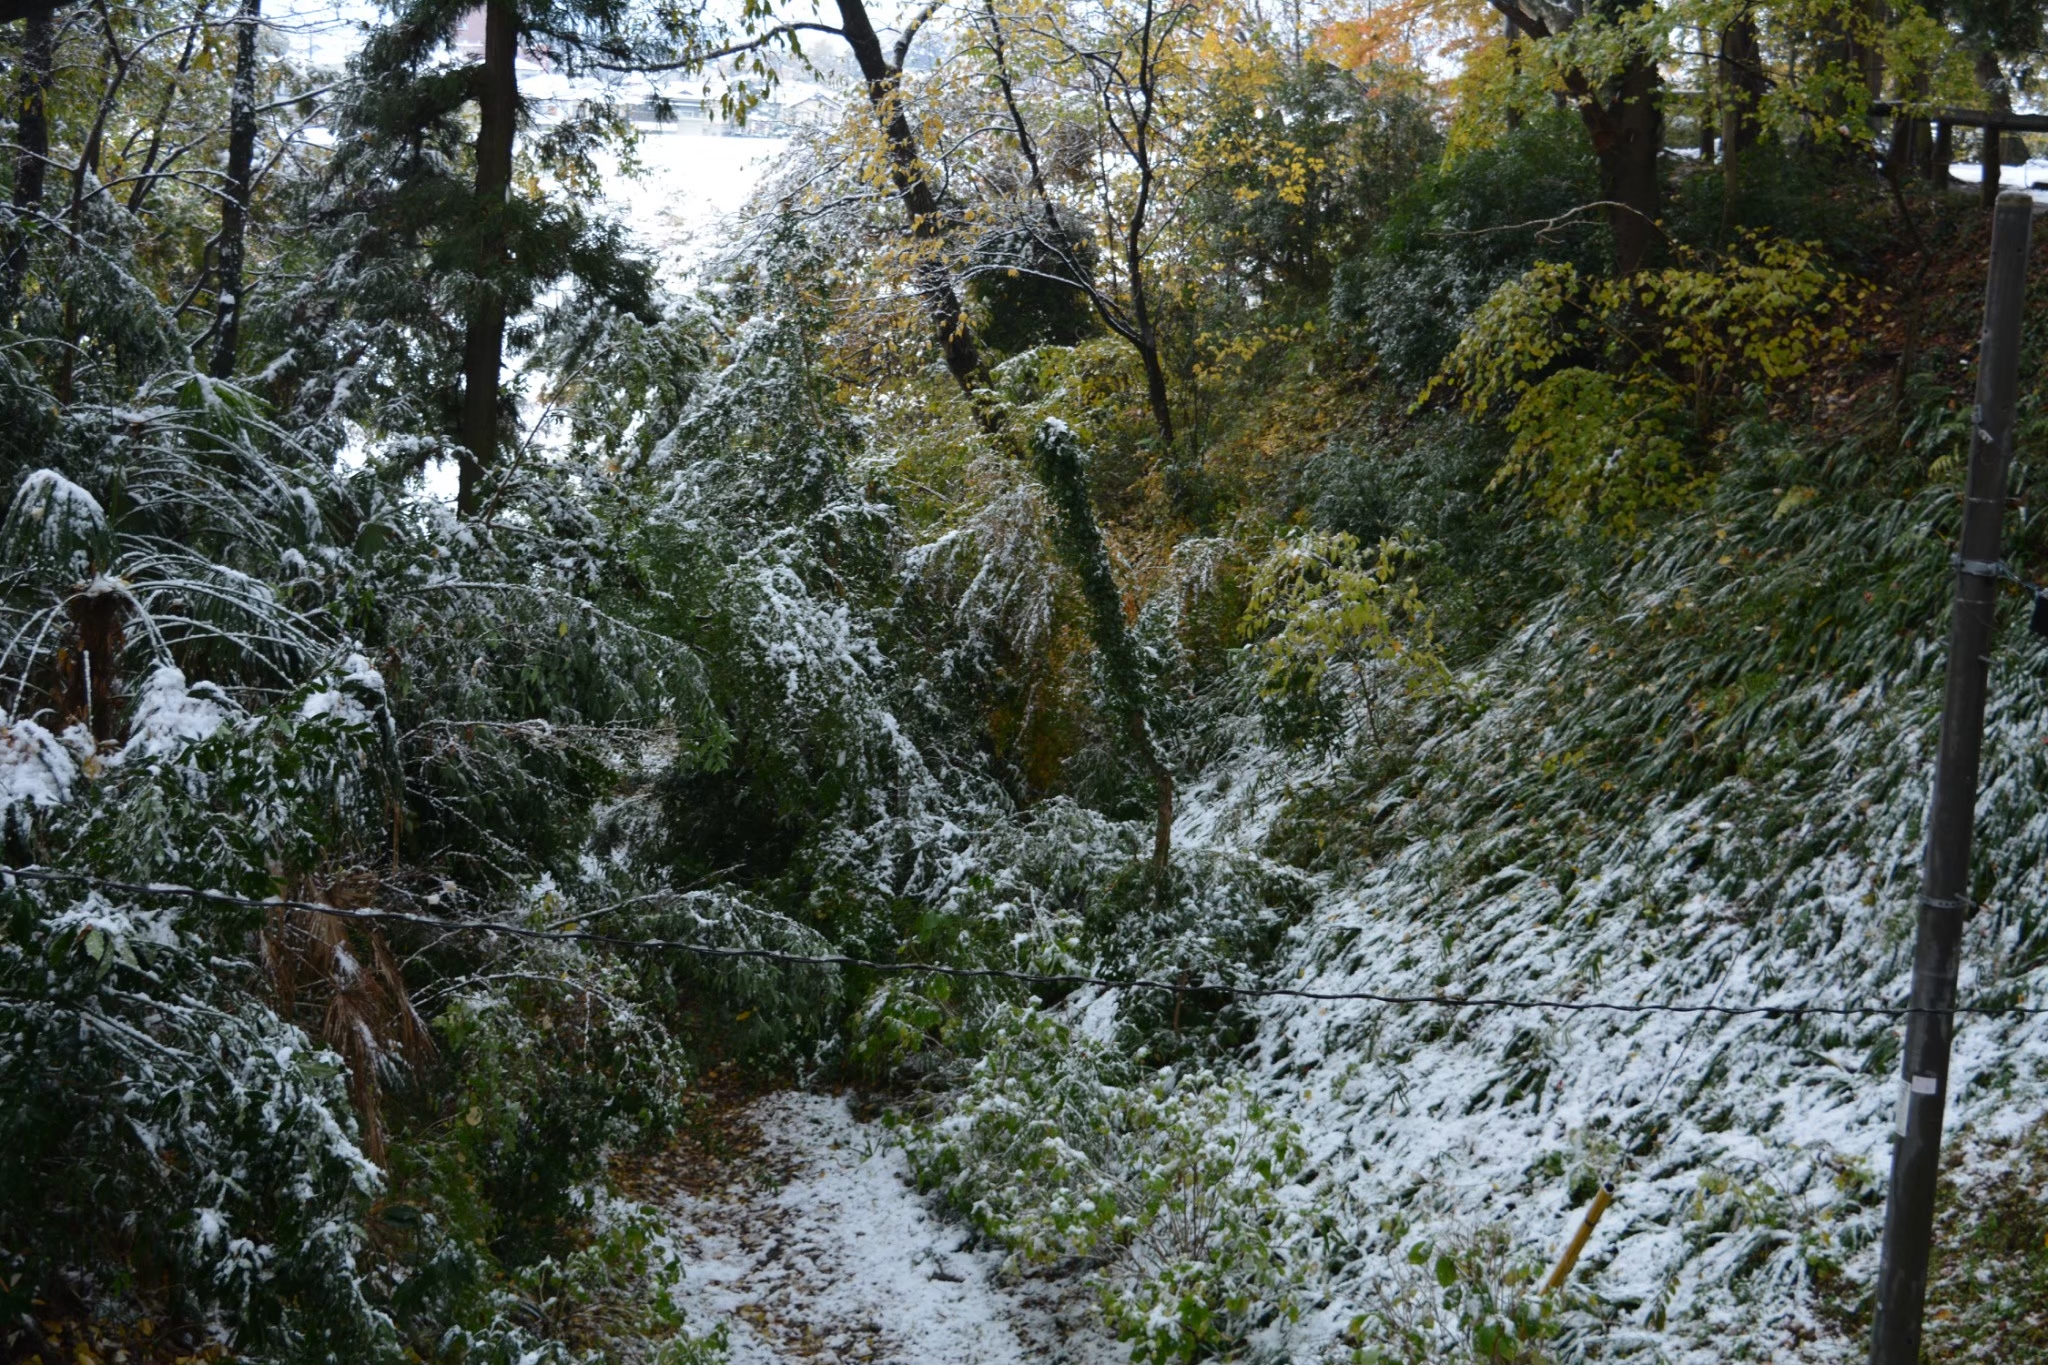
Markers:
point(435, 253)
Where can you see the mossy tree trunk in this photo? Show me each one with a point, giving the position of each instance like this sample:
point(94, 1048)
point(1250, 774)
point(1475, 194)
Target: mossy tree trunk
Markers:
point(234, 208)
point(1062, 467)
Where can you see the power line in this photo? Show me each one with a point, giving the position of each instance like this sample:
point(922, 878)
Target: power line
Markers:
point(1065, 979)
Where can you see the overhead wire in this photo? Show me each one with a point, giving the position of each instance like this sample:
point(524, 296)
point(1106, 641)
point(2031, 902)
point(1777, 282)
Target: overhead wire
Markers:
point(1070, 980)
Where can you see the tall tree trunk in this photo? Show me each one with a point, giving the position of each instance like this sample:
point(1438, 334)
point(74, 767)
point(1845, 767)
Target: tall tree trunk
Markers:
point(1997, 99)
point(1910, 138)
point(85, 184)
point(1137, 325)
point(146, 178)
point(1628, 140)
point(1624, 116)
point(1843, 33)
point(1905, 149)
point(483, 351)
point(1709, 121)
point(1147, 339)
point(1878, 13)
point(1156, 395)
point(32, 162)
point(1141, 100)
point(1509, 32)
point(906, 171)
point(1739, 76)
point(234, 209)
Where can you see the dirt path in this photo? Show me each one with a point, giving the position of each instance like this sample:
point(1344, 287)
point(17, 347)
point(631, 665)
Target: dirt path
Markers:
point(813, 1247)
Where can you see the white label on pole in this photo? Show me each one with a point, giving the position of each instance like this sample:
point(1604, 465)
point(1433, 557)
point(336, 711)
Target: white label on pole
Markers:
point(1926, 1085)
point(1905, 1103)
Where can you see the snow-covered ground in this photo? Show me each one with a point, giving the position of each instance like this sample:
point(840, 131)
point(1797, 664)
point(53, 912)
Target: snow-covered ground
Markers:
point(1749, 1153)
point(2031, 176)
point(816, 1248)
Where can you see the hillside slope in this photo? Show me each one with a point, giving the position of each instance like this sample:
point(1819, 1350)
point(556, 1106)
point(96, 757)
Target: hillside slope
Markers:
point(1612, 809)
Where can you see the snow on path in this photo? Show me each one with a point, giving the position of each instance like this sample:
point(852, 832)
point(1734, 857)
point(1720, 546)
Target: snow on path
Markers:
point(816, 1248)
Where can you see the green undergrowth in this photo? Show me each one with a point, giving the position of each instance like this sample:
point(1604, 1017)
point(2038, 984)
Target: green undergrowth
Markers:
point(1987, 1299)
point(1167, 1185)
point(1684, 764)
point(1695, 772)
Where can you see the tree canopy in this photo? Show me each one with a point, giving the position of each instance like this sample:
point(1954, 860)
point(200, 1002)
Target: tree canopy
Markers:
point(1152, 501)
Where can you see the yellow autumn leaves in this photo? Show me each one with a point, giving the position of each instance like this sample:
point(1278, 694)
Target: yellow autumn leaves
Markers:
point(1610, 389)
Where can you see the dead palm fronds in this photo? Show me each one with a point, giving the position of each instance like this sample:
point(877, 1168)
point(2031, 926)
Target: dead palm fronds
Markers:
point(353, 979)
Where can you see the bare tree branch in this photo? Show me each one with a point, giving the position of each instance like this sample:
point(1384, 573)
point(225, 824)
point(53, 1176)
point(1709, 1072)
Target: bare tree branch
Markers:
point(696, 61)
point(917, 21)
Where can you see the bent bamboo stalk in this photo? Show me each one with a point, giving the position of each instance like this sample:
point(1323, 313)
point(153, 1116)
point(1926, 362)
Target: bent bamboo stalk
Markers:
point(1580, 1238)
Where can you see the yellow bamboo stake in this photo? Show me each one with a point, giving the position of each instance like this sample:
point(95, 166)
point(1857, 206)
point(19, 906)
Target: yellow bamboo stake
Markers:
point(1580, 1238)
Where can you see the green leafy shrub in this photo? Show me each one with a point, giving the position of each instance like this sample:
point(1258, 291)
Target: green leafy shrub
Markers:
point(137, 1080)
point(1169, 1184)
point(1467, 1298)
point(1611, 388)
point(1467, 226)
point(551, 1078)
point(1325, 614)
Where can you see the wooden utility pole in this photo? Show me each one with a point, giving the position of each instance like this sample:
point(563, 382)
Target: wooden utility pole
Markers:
point(1945, 874)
